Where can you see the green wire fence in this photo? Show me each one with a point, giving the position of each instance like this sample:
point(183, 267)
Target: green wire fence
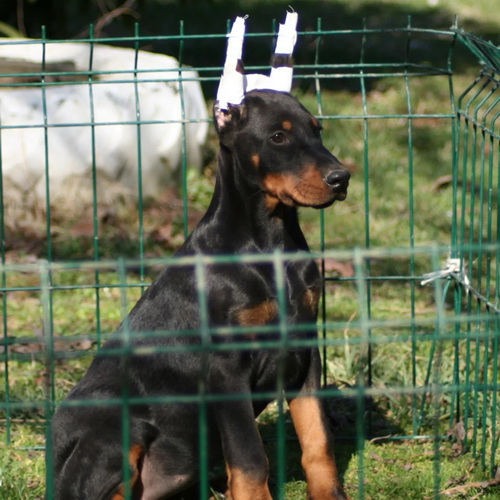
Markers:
point(409, 329)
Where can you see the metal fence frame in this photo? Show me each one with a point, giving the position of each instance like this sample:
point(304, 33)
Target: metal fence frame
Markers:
point(472, 278)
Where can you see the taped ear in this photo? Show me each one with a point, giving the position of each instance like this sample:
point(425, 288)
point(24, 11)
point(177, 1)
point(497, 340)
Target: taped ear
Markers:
point(282, 61)
point(234, 84)
point(281, 75)
point(227, 121)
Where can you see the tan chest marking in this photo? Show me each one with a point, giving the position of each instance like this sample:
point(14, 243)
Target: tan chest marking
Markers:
point(311, 300)
point(259, 315)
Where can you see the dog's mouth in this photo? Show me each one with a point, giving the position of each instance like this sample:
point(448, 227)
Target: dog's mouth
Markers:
point(318, 205)
point(310, 189)
point(341, 196)
point(296, 199)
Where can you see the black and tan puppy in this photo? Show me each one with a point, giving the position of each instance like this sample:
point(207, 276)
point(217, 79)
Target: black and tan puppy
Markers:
point(271, 161)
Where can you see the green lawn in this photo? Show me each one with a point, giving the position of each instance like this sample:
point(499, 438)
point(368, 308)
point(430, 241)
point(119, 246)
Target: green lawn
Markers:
point(378, 150)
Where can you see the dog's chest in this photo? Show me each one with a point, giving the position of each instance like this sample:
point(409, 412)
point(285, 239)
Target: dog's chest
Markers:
point(291, 295)
point(303, 286)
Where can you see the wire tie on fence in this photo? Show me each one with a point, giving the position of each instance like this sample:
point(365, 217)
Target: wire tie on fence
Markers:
point(453, 265)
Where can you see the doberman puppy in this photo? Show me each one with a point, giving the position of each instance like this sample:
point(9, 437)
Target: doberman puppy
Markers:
point(271, 161)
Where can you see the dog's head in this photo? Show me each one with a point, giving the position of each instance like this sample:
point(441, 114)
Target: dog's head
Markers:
point(277, 143)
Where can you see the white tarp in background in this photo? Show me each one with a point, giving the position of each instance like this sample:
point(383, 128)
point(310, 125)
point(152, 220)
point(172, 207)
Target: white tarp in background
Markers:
point(73, 144)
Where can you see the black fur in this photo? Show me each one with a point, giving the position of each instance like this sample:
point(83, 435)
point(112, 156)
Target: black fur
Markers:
point(271, 161)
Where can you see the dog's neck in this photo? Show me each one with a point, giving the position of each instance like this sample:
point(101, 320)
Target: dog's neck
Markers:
point(240, 210)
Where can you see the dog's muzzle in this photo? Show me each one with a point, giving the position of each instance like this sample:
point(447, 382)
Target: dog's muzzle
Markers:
point(338, 181)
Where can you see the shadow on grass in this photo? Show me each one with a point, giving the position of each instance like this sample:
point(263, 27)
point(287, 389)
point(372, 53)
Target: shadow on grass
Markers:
point(342, 413)
point(208, 17)
point(385, 47)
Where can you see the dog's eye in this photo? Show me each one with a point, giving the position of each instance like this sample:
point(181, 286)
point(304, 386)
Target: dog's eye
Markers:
point(278, 138)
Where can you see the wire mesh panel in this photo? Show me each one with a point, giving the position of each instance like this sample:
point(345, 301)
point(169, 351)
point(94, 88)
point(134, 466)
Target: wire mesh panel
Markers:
point(475, 240)
point(402, 362)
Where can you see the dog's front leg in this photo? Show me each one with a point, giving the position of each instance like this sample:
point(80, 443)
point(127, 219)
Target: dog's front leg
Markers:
point(315, 438)
point(246, 463)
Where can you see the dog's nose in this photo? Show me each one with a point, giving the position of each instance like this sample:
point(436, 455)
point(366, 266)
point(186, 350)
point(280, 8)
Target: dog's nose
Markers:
point(338, 179)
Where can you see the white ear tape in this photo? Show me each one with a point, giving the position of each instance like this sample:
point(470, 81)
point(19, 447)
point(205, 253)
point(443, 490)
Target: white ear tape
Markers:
point(281, 76)
point(233, 84)
point(287, 34)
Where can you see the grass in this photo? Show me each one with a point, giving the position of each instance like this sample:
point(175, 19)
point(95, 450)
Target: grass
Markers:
point(410, 468)
point(387, 468)
point(375, 460)
point(22, 467)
